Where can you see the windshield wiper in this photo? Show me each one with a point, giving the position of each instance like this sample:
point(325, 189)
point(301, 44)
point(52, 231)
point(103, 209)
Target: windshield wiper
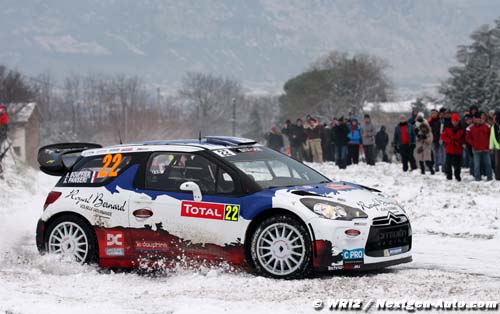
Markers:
point(281, 186)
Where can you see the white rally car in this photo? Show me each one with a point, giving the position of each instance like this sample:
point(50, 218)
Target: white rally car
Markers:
point(219, 199)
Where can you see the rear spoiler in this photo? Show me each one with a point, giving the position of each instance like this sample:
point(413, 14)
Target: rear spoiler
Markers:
point(57, 159)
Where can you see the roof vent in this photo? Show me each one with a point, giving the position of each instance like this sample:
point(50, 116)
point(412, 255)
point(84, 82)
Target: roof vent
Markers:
point(229, 141)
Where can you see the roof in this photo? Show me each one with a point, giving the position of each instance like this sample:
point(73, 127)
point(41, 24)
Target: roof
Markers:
point(20, 112)
point(396, 106)
point(187, 145)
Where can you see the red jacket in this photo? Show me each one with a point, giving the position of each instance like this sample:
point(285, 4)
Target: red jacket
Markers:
point(478, 136)
point(4, 118)
point(453, 139)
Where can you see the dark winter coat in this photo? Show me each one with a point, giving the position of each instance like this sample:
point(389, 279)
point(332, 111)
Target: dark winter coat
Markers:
point(340, 133)
point(314, 133)
point(410, 132)
point(478, 136)
point(381, 139)
point(274, 141)
point(297, 135)
point(453, 139)
point(436, 129)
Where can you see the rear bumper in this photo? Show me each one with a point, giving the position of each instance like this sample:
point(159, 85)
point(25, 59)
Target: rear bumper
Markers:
point(40, 236)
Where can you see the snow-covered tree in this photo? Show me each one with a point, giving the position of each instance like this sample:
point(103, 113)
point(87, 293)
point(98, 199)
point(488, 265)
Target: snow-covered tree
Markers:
point(476, 79)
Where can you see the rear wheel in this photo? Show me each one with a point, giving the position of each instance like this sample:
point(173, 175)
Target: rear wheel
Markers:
point(72, 238)
point(281, 248)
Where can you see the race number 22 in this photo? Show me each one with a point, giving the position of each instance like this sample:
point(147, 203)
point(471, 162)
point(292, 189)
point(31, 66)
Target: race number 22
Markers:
point(231, 212)
point(109, 159)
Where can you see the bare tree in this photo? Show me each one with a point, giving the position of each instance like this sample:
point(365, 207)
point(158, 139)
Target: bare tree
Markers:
point(212, 97)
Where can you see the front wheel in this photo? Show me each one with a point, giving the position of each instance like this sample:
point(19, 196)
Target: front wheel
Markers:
point(281, 248)
point(73, 238)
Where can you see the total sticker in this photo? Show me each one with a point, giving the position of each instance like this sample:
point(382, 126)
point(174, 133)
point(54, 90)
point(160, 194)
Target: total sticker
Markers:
point(216, 211)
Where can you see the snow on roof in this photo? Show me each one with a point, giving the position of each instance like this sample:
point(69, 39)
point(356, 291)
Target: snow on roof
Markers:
point(395, 107)
point(20, 112)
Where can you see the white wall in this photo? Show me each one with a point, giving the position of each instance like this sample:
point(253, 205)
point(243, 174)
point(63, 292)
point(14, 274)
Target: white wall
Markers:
point(17, 135)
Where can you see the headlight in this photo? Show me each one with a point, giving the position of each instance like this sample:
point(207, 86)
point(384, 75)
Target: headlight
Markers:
point(332, 210)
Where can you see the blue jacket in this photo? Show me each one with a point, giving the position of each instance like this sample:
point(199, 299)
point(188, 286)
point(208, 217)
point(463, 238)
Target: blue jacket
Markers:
point(354, 136)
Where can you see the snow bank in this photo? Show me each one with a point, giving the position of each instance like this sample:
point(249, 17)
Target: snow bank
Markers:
point(22, 195)
point(455, 257)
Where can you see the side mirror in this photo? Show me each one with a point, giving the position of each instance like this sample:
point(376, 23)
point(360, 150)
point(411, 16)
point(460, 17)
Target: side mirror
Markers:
point(193, 187)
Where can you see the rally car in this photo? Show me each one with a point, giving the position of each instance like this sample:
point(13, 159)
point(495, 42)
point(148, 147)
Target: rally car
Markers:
point(216, 199)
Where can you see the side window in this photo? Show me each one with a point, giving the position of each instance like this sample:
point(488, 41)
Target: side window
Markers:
point(96, 170)
point(225, 183)
point(167, 171)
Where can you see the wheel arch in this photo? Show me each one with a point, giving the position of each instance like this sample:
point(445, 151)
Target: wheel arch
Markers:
point(261, 217)
point(65, 213)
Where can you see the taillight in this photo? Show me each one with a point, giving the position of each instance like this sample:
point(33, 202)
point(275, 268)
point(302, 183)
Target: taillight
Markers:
point(51, 198)
point(352, 232)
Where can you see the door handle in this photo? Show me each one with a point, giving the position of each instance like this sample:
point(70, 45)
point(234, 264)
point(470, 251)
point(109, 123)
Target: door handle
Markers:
point(143, 213)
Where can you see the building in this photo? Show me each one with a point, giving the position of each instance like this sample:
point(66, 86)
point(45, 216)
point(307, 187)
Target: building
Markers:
point(24, 131)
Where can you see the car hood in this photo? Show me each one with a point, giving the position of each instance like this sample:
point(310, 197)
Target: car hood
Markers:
point(373, 202)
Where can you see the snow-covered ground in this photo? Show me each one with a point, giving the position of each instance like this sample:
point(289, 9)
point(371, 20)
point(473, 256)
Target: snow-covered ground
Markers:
point(456, 257)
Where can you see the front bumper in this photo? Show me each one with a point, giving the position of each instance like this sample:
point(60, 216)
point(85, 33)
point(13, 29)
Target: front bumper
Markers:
point(374, 248)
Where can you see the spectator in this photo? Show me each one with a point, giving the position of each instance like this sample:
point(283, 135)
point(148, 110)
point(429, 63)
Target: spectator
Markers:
point(495, 144)
point(413, 118)
point(491, 123)
point(381, 142)
point(335, 122)
point(468, 157)
point(437, 144)
point(404, 139)
point(307, 142)
point(453, 140)
point(473, 110)
point(341, 140)
point(274, 139)
point(326, 144)
point(314, 138)
point(4, 123)
point(297, 140)
point(485, 119)
point(286, 136)
point(351, 116)
point(354, 142)
point(368, 139)
point(491, 117)
point(478, 137)
point(423, 148)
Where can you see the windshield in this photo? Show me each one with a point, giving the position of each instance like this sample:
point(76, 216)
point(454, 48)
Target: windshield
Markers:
point(271, 169)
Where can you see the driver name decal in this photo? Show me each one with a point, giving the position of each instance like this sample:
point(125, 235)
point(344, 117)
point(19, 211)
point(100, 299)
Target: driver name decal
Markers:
point(216, 211)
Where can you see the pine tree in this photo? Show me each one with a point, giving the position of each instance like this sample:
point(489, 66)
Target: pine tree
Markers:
point(476, 80)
